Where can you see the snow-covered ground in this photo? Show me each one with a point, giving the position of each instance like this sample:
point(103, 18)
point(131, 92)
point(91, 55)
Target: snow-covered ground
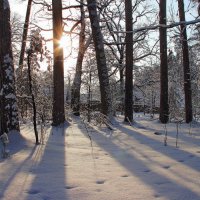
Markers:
point(87, 163)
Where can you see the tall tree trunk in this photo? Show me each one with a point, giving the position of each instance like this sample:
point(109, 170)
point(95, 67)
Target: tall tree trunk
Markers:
point(101, 58)
point(186, 65)
point(9, 112)
point(129, 62)
point(164, 106)
point(58, 73)
point(25, 33)
point(75, 100)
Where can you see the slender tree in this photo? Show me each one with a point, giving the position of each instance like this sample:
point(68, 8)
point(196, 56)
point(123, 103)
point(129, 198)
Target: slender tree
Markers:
point(76, 86)
point(25, 33)
point(100, 57)
point(30, 52)
point(164, 106)
point(58, 68)
point(129, 62)
point(9, 112)
point(186, 64)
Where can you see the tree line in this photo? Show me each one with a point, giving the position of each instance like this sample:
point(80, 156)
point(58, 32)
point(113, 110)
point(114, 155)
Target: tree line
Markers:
point(114, 55)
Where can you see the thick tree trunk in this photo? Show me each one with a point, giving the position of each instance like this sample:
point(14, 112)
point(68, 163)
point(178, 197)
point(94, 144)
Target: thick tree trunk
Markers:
point(101, 58)
point(76, 87)
point(58, 73)
point(25, 33)
point(129, 62)
point(9, 112)
point(186, 65)
point(164, 106)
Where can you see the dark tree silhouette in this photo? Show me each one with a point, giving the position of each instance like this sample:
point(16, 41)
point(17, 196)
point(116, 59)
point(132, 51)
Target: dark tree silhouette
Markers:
point(100, 57)
point(186, 64)
point(25, 33)
point(129, 62)
point(76, 86)
point(164, 106)
point(58, 69)
point(9, 112)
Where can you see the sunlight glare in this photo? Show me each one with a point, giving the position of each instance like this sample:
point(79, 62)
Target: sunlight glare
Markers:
point(63, 41)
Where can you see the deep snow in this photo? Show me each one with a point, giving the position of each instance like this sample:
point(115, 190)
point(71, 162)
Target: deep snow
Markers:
point(129, 163)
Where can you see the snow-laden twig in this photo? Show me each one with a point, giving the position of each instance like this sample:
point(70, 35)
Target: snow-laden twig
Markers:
point(172, 25)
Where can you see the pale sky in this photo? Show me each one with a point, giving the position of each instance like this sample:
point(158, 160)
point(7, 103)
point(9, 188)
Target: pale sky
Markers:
point(19, 6)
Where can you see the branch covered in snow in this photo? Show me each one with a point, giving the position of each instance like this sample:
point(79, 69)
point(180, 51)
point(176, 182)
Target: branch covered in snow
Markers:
point(172, 25)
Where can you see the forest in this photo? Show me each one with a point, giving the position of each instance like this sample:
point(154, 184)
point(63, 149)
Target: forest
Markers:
point(101, 73)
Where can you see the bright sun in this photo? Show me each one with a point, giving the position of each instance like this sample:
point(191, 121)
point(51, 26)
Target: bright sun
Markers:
point(63, 41)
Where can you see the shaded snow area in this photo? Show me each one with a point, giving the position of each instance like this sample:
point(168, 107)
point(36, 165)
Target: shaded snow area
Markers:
point(79, 162)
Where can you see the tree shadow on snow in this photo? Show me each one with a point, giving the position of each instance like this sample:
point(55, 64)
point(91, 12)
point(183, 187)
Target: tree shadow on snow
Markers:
point(50, 173)
point(160, 183)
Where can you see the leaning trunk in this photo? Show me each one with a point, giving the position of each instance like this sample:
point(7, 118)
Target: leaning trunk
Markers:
point(75, 100)
point(25, 33)
point(100, 57)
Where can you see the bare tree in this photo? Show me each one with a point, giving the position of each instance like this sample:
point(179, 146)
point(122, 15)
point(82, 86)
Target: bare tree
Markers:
point(76, 86)
point(186, 64)
point(129, 62)
point(9, 112)
point(164, 106)
point(100, 57)
point(58, 70)
point(25, 33)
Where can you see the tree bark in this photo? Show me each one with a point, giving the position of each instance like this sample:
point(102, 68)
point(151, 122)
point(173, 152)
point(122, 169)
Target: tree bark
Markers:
point(186, 65)
point(32, 97)
point(101, 58)
point(164, 106)
point(9, 111)
point(75, 100)
point(25, 33)
point(58, 73)
point(129, 62)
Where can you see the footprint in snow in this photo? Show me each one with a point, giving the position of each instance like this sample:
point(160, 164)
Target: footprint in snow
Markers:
point(100, 182)
point(191, 156)
point(69, 187)
point(125, 176)
point(147, 171)
point(166, 167)
point(162, 182)
point(33, 191)
point(46, 198)
point(157, 196)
